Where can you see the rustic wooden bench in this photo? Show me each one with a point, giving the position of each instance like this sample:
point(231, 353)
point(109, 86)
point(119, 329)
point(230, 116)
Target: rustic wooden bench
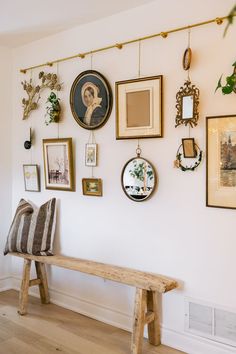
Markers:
point(147, 286)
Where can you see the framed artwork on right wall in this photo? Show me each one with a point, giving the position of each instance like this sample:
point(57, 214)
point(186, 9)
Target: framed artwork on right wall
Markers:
point(221, 161)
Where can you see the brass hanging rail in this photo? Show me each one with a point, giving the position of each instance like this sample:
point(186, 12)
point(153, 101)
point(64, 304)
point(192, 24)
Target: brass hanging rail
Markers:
point(217, 20)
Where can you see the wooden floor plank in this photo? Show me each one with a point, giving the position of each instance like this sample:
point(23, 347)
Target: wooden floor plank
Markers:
point(49, 328)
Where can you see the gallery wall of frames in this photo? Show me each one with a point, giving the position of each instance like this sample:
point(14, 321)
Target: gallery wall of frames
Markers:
point(123, 140)
point(138, 105)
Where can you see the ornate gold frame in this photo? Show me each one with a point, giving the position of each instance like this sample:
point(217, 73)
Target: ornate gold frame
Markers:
point(187, 90)
point(71, 164)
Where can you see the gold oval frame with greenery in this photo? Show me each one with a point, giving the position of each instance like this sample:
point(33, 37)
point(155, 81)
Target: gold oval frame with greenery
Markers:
point(154, 174)
point(106, 88)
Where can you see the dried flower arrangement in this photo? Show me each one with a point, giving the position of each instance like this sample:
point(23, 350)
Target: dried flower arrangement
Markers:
point(47, 81)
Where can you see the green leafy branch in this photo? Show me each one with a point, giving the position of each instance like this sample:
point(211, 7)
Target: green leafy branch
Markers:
point(53, 110)
point(230, 85)
point(138, 171)
point(230, 18)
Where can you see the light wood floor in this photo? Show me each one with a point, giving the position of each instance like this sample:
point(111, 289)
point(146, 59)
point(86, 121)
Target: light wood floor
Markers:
point(49, 328)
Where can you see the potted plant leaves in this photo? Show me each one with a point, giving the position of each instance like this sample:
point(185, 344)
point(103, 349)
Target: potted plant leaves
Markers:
point(53, 109)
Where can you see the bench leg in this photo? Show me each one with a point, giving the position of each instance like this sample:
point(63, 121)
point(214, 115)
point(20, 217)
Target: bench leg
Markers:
point(139, 321)
point(24, 291)
point(154, 335)
point(43, 285)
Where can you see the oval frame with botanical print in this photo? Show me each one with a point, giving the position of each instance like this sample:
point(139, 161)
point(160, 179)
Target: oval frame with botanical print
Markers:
point(91, 99)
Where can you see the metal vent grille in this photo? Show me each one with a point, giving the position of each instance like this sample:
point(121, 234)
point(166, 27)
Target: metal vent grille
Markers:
point(210, 322)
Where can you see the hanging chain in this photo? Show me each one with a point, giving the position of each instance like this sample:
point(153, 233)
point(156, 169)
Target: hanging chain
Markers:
point(139, 58)
point(189, 35)
point(91, 60)
point(31, 155)
point(30, 129)
point(91, 132)
point(138, 150)
point(58, 123)
point(93, 137)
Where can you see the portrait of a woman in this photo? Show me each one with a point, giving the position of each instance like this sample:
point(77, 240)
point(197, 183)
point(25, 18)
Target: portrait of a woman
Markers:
point(91, 99)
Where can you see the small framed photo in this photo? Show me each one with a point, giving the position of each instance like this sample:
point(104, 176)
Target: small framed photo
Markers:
point(31, 178)
point(92, 186)
point(58, 164)
point(139, 108)
point(189, 149)
point(91, 155)
point(221, 161)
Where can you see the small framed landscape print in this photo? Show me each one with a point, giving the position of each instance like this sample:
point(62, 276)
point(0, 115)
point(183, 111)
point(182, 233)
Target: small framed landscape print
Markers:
point(58, 164)
point(221, 161)
point(139, 108)
point(91, 155)
point(189, 149)
point(92, 186)
point(31, 178)
point(91, 99)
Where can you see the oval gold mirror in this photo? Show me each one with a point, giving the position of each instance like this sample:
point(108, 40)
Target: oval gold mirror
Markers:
point(138, 179)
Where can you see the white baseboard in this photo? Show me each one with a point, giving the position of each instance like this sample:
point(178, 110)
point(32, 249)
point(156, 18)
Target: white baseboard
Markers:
point(5, 283)
point(186, 342)
point(191, 344)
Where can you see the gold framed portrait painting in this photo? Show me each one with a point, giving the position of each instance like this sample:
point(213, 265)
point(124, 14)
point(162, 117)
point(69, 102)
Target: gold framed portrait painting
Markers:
point(221, 162)
point(91, 99)
point(58, 164)
point(139, 108)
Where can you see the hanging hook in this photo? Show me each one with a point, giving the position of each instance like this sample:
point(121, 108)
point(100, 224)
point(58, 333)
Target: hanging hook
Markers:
point(91, 60)
point(189, 52)
point(138, 150)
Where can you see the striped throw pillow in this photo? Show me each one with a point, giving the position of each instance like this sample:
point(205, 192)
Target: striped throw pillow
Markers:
point(32, 230)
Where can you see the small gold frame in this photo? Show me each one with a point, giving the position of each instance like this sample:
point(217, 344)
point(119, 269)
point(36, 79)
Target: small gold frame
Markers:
point(187, 90)
point(88, 190)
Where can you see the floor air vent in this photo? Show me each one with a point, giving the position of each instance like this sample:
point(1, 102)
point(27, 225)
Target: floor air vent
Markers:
point(210, 322)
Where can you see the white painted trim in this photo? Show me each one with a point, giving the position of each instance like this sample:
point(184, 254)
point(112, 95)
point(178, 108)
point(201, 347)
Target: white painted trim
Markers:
point(191, 344)
point(5, 283)
point(186, 342)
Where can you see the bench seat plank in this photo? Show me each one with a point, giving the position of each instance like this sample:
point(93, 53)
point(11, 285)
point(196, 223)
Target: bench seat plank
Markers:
point(139, 279)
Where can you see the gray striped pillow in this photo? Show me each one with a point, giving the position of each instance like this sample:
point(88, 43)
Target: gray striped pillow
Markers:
point(32, 230)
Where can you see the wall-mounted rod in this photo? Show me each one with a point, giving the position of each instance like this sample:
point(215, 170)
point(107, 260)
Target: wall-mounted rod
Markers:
point(218, 21)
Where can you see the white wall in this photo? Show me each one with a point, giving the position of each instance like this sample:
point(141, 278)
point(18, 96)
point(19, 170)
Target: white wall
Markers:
point(5, 157)
point(173, 233)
